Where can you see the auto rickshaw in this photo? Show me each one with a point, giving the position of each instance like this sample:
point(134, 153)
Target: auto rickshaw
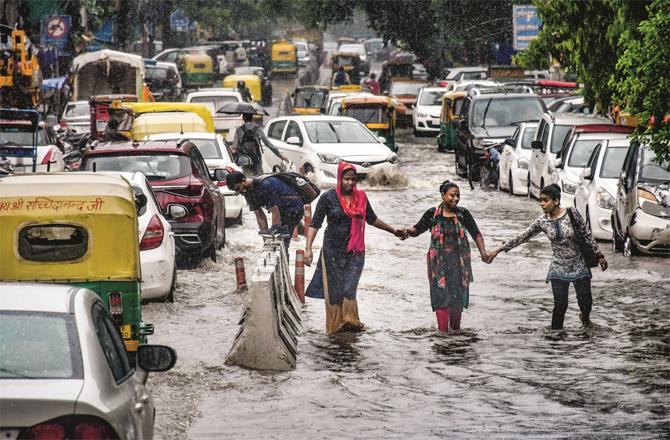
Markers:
point(253, 83)
point(78, 229)
point(127, 114)
point(196, 70)
point(284, 58)
point(351, 62)
point(378, 113)
point(397, 69)
point(449, 118)
point(99, 108)
point(310, 100)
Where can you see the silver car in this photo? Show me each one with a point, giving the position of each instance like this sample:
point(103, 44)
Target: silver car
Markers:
point(64, 372)
point(77, 116)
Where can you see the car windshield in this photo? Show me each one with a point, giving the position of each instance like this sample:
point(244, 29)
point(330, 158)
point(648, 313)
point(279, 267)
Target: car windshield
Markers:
point(368, 115)
point(159, 166)
point(501, 112)
point(156, 72)
point(528, 136)
point(405, 88)
point(74, 110)
point(310, 98)
point(613, 162)
point(558, 137)
point(213, 103)
point(338, 132)
point(21, 138)
point(39, 345)
point(431, 98)
point(651, 171)
point(581, 152)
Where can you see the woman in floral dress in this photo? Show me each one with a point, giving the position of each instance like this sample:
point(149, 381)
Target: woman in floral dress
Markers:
point(449, 267)
point(567, 265)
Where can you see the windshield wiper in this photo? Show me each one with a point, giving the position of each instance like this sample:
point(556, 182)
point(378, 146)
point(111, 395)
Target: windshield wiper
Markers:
point(333, 128)
point(16, 373)
point(486, 110)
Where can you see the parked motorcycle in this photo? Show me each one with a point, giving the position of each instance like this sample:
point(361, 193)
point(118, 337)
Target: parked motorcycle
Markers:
point(489, 168)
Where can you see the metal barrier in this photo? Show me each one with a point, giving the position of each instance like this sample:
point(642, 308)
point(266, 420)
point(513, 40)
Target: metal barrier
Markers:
point(271, 321)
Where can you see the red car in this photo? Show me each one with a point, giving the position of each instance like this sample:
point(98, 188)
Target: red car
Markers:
point(178, 175)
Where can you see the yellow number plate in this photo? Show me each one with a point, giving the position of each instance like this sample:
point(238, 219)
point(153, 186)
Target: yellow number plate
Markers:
point(126, 332)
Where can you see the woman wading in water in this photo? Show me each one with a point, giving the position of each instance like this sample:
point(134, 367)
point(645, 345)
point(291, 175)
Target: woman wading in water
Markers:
point(343, 252)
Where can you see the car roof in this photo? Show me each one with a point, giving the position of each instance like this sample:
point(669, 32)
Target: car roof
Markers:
point(601, 135)
point(619, 142)
point(168, 146)
point(38, 297)
point(576, 118)
point(76, 184)
point(312, 118)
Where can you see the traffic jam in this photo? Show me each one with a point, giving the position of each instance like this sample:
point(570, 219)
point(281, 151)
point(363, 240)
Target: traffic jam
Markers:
point(139, 197)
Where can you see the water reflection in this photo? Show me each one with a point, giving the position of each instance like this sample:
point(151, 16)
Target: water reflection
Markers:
point(456, 348)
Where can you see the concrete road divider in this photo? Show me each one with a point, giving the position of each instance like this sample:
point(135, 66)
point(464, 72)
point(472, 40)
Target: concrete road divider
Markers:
point(271, 321)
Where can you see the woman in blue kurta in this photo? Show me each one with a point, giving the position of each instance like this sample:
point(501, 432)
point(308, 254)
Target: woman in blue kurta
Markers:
point(342, 256)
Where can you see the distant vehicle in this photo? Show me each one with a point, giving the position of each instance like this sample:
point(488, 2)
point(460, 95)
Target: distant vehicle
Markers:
point(179, 177)
point(569, 104)
point(266, 82)
point(536, 74)
point(17, 140)
point(77, 117)
point(164, 80)
point(426, 115)
point(362, 54)
point(334, 102)
point(224, 124)
point(467, 84)
point(217, 154)
point(516, 158)
point(64, 359)
point(641, 214)
point(420, 72)
point(407, 93)
point(303, 53)
point(317, 144)
point(455, 74)
point(375, 49)
point(596, 192)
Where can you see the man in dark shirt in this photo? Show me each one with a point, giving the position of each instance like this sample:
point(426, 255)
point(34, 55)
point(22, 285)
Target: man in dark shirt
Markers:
point(282, 201)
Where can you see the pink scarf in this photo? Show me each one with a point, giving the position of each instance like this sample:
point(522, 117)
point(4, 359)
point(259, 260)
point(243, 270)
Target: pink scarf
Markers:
point(355, 211)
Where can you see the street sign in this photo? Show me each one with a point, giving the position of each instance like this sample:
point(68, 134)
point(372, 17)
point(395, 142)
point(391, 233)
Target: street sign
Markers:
point(525, 25)
point(56, 31)
point(179, 22)
point(103, 36)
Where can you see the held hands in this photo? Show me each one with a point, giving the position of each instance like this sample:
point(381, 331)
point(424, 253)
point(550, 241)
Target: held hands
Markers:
point(308, 257)
point(603, 263)
point(402, 233)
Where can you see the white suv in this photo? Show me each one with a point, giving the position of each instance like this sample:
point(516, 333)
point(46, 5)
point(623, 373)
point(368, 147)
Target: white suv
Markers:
point(426, 116)
point(549, 139)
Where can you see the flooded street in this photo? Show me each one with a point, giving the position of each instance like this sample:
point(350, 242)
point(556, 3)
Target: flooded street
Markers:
point(503, 375)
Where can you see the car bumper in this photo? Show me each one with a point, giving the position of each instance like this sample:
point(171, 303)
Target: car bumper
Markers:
point(234, 203)
point(190, 237)
point(650, 234)
point(157, 269)
point(327, 173)
point(520, 181)
point(427, 124)
point(601, 223)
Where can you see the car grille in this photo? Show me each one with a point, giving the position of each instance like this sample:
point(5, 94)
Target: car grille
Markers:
point(367, 164)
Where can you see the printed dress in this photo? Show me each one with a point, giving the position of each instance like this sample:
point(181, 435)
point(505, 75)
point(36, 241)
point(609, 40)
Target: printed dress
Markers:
point(449, 264)
point(567, 263)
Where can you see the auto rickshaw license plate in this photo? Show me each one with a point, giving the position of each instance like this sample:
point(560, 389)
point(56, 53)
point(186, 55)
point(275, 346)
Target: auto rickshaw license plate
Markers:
point(126, 332)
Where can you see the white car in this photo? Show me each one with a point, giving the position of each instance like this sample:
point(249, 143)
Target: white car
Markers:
point(467, 84)
point(455, 74)
point(214, 99)
point(157, 246)
point(64, 370)
point(549, 139)
point(217, 154)
point(426, 116)
point(17, 147)
point(303, 53)
point(575, 155)
point(596, 192)
point(317, 144)
point(515, 159)
point(77, 116)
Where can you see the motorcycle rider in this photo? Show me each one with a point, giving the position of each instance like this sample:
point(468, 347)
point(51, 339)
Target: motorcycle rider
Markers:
point(341, 78)
point(244, 91)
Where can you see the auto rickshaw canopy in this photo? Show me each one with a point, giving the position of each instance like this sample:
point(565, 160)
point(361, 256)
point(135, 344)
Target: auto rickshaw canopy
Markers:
point(138, 108)
point(252, 81)
point(310, 99)
point(350, 61)
point(68, 227)
point(448, 111)
point(374, 112)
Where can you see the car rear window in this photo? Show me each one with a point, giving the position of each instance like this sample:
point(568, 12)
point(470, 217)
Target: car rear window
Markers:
point(39, 345)
point(159, 166)
point(501, 112)
point(53, 242)
point(431, 98)
point(74, 110)
point(581, 152)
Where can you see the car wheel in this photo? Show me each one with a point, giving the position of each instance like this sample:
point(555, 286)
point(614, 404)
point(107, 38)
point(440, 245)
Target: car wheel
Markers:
point(510, 184)
point(629, 248)
point(173, 286)
point(529, 195)
point(475, 172)
point(617, 243)
point(211, 250)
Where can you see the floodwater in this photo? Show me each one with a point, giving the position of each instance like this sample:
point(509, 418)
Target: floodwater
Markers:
point(504, 375)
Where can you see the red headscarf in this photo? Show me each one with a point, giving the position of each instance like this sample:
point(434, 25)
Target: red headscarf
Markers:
point(355, 211)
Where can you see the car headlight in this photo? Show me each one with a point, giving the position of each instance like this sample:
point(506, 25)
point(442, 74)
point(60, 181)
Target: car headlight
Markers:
point(604, 199)
point(568, 188)
point(329, 158)
point(392, 159)
point(522, 163)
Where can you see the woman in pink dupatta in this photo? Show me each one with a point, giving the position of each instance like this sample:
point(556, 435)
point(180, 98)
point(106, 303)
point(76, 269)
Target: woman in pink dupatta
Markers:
point(342, 258)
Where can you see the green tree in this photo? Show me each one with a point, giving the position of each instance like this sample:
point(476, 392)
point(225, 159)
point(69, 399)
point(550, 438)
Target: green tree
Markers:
point(642, 82)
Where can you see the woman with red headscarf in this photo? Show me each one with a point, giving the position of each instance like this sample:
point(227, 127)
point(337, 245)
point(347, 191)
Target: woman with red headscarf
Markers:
point(343, 253)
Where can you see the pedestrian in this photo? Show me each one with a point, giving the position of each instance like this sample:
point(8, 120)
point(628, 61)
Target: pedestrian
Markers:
point(244, 91)
point(372, 84)
point(248, 141)
point(567, 264)
point(282, 201)
point(341, 78)
point(342, 256)
point(449, 266)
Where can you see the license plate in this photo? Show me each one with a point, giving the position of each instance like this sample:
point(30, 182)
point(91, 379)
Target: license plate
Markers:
point(19, 169)
point(126, 332)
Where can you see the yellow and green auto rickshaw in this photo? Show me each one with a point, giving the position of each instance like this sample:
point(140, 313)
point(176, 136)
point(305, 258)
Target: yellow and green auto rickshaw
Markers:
point(253, 83)
point(196, 69)
point(350, 62)
point(284, 58)
point(399, 69)
point(310, 100)
point(78, 229)
point(449, 117)
point(378, 113)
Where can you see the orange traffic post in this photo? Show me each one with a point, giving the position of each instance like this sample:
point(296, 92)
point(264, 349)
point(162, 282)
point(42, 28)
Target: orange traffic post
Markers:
point(299, 284)
point(295, 233)
point(240, 274)
point(308, 217)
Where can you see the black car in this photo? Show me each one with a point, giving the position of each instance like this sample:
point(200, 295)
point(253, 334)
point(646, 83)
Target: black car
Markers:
point(488, 118)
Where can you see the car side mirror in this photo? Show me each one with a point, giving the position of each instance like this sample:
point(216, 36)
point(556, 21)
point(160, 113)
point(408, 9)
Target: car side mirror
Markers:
point(587, 173)
point(220, 174)
point(293, 140)
point(176, 211)
point(382, 139)
point(156, 358)
point(510, 142)
point(536, 145)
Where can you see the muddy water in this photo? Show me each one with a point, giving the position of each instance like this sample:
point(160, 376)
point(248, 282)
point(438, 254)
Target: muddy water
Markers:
point(504, 375)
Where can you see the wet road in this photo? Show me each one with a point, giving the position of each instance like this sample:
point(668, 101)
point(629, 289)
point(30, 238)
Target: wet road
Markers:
point(504, 375)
